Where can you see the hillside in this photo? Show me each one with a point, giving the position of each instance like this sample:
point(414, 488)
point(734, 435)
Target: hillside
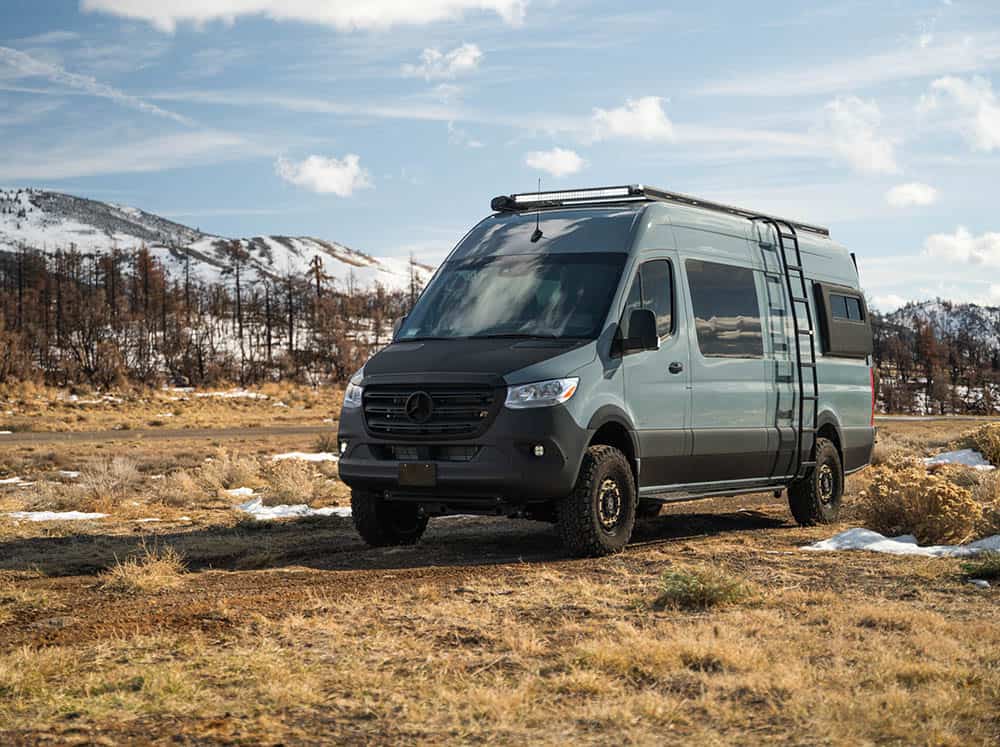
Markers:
point(949, 320)
point(50, 221)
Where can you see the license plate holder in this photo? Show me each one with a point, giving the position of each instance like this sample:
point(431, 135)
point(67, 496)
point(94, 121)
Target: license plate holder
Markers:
point(417, 475)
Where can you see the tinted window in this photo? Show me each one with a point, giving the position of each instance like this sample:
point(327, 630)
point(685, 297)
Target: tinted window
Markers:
point(653, 289)
point(846, 307)
point(727, 314)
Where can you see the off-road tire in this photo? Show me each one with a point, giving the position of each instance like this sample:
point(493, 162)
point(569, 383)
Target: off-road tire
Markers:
point(812, 499)
point(384, 524)
point(579, 515)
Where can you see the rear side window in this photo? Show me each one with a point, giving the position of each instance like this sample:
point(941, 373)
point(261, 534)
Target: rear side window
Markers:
point(726, 310)
point(847, 308)
point(653, 289)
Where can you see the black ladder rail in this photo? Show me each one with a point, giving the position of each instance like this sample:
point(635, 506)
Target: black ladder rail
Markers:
point(797, 286)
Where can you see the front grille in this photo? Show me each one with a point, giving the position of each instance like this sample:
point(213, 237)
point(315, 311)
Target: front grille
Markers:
point(458, 410)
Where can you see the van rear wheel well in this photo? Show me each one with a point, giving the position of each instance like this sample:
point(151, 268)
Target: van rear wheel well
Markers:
point(829, 432)
point(617, 435)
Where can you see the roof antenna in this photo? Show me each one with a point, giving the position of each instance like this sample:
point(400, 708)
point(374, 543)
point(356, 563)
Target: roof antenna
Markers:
point(537, 235)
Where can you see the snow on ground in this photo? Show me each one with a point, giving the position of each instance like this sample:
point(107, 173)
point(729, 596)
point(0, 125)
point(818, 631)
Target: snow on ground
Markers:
point(256, 508)
point(69, 474)
point(54, 516)
point(323, 456)
point(240, 492)
point(16, 481)
point(866, 539)
point(232, 394)
point(6, 433)
point(965, 457)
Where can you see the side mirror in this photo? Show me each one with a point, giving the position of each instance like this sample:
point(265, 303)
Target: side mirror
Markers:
point(642, 331)
point(396, 325)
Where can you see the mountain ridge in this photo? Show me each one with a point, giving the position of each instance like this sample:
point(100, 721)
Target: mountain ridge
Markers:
point(50, 221)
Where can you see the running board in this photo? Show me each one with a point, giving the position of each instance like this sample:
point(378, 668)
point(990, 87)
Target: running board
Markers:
point(676, 496)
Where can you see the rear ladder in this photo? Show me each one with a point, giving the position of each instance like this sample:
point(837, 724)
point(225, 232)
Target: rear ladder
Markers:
point(803, 344)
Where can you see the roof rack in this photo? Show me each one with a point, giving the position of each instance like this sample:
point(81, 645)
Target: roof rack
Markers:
point(631, 193)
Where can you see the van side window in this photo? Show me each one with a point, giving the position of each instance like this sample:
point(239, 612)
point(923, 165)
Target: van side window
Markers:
point(726, 310)
point(846, 307)
point(653, 289)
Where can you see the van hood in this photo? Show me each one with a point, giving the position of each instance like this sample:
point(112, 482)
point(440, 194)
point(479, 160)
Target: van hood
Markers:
point(479, 358)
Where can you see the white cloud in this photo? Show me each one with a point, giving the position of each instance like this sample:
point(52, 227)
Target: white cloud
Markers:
point(911, 194)
point(642, 119)
point(963, 247)
point(977, 104)
point(326, 175)
point(26, 66)
point(558, 162)
point(852, 125)
point(888, 303)
point(436, 65)
point(940, 55)
point(344, 15)
point(48, 37)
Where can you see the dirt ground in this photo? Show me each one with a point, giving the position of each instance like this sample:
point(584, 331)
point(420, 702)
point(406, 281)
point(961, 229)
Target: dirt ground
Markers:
point(294, 632)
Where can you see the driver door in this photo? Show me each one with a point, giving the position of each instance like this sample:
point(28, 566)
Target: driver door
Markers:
point(657, 382)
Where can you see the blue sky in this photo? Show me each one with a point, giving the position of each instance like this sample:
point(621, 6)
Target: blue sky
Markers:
point(388, 125)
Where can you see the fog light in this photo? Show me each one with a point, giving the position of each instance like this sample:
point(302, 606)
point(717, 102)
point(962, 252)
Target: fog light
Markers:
point(343, 447)
point(539, 450)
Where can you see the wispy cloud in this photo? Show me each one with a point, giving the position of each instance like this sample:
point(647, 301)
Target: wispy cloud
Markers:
point(558, 162)
point(939, 55)
point(49, 37)
point(72, 160)
point(458, 136)
point(963, 246)
point(975, 104)
point(342, 177)
point(853, 127)
point(26, 66)
point(436, 65)
point(165, 15)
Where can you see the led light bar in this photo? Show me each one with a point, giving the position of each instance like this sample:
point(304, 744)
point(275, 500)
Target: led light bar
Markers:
point(580, 194)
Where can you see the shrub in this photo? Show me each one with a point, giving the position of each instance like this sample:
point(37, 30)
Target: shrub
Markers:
point(110, 481)
point(153, 570)
point(907, 499)
point(179, 489)
point(291, 481)
point(327, 443)
point(228, 471)
point(985, 440)
point(985, 565)
point(699, 589)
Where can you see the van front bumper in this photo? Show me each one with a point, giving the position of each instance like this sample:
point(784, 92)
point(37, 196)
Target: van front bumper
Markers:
point(503, 468)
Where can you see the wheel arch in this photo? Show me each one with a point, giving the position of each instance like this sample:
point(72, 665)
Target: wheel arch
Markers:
point(611, 426)
point(828, 427)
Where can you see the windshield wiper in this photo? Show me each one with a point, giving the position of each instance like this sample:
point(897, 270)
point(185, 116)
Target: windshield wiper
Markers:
point(519, 336)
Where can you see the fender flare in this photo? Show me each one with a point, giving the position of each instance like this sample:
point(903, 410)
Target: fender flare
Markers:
point(614, 414)
point(828, 418)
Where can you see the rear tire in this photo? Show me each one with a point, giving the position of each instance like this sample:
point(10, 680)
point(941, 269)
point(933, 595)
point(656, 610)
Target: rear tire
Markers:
point(598, 517)
point(384, 524)
point(816, 498)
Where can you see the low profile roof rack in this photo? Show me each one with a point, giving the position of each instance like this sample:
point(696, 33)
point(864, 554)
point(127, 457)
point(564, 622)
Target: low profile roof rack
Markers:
point(632, 193)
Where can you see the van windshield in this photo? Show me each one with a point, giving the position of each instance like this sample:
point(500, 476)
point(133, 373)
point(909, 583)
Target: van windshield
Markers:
point(547, 295)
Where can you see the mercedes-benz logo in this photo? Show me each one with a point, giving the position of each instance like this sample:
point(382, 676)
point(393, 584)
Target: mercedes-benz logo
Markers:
point(419, 407)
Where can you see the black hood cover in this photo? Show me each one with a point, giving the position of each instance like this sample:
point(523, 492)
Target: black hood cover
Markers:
point(491, 359)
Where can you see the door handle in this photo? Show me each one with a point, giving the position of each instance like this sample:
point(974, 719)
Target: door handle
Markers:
point(676, 367)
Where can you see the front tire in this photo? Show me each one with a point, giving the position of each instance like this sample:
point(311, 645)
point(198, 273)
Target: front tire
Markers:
point(816, 498)
point(384, 524)
point(598, 517)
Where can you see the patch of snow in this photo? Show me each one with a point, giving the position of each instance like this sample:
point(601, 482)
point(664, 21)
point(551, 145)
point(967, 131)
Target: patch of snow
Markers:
point(965, 457)
point(232, 394)
point(279, 404)
point(240, 492)
point(165, 415)
point(6, 433)
point(69, 474)
point(146, 521)
point(323, 456)
point(866, 539)
point(54, 516)
point(982, 583)
point(260, 512)
point(20, 482)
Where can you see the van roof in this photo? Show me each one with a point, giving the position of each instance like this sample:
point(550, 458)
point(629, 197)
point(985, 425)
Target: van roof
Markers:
point(634, 193)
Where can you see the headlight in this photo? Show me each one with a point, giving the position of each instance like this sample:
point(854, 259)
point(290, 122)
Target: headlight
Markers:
point(541, 394)
point(354, 391)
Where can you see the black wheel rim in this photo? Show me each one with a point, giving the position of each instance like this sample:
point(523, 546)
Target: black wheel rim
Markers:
point(610, 506)
point(826, 484)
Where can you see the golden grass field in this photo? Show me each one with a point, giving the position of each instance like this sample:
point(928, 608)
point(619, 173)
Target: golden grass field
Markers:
point(208, 627)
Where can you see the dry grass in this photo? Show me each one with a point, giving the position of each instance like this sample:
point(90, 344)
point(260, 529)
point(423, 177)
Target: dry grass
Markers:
point(179, 489)
point(226, 471)
point(699, 589)
point(154, 569)
point(985, 440)
point(110, 482)
point(986, 565)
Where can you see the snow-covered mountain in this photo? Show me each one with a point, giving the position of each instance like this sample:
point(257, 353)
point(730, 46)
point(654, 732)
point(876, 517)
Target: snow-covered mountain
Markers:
point(50, 221)
point(951, 320)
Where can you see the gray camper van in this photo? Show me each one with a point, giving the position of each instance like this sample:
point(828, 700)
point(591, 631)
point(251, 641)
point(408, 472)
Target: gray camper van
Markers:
point(584, 356)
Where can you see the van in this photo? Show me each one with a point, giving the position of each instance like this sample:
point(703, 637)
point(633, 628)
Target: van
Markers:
point(583, 357)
